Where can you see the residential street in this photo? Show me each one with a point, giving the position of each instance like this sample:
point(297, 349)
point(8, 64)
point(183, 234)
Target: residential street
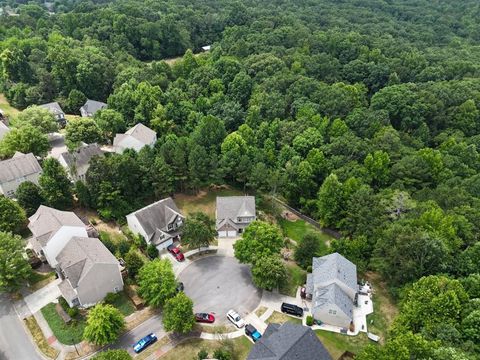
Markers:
point(14, 342)
point(153, 324)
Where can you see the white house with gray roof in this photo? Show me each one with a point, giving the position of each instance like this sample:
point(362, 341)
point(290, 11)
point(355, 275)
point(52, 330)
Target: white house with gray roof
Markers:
point(91, 107)
point(4, 129)
point(159, 223)
point(135, 138)
point(333, 289)
point(88, 271)
point(233, 214)
point(51, 230)
point(56, 110)
point(77, 162)
point(288, 342)
point(20, 168)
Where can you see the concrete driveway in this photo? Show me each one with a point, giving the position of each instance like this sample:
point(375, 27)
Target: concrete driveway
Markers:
point(44, 296)
point(217, 284)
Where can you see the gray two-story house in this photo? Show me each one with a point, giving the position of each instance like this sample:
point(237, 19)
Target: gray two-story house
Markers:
point(234, 214)
point(159, 223)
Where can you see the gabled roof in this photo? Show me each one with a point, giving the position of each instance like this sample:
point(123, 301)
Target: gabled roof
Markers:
point(288, 342)
point(327, 269)
point(332, 294)
point(92, 106)
point(82, 156)
point(157, 216)
point(80, 254)
point(3, 129)
point(47, 221)
point(54, 107)
point(231, 207)
point(140, 132)
point(18, 166)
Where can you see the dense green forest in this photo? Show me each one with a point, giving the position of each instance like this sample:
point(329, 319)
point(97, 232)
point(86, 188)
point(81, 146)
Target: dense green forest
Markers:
point(363, 114)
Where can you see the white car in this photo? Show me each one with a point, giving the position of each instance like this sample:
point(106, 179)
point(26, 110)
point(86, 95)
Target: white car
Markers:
point(236, 320)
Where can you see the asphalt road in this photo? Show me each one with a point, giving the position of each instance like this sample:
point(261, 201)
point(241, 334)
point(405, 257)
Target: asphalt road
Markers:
point(14, 342)
point(153, 324)
point(217, 284)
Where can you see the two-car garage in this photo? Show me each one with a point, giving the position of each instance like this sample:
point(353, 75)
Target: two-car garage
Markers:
point(227, 233)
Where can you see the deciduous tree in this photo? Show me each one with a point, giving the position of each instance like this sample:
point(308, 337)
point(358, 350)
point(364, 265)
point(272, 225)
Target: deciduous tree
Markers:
point(38, 117)
point(14, 268)
point(156, 282)
point(29, 197)
point(198, 230)
point(104, 324)
point(259, 239)
point(27, 139)
point(56, 187)
point(80, 130)
point(269, 272)
point(178, 314)
point(12, 216)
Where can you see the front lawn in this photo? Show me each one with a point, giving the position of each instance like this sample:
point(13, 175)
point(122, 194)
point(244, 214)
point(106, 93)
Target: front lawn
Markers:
point(296, 277)
point(123, 303)
point(67, 334)
point(38, 280)
point(190, 348)
point(337, 344)
point(6, 107)
point(204, 201)
point(281, 318)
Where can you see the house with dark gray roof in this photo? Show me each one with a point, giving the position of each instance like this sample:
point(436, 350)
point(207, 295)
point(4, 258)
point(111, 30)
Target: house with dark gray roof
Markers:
point(288, 342)
point(77, 162)
point(20, 168)
point(159, 223)
point(51, 230)
point(233, 214)
point(332, 287)
point(56, 110)
point(91, 107)
point(135, 138)
point(88, 271)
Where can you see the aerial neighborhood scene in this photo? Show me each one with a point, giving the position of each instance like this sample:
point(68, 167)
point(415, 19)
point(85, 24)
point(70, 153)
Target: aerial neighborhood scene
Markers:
point(239, 180)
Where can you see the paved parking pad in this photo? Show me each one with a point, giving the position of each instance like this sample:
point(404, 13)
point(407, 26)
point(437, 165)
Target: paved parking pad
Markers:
point(217, 284)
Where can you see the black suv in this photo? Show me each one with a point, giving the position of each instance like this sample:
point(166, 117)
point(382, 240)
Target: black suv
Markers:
point(292, 309)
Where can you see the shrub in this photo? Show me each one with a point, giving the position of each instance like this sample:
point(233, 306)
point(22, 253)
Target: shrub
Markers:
point(309, 268)
point(110, 298)
point(222, 354)
point(309, 320)
point(152, 251)
point(202, 354)
point(73, 312)
point(63, 303)
point(123, 247)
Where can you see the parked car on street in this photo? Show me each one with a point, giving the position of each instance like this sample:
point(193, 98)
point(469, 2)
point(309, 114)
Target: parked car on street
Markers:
point(235, 319)
point(144, 342)
point(251, 331)
point(204, 318)
point(176, 253)
point(292, 309)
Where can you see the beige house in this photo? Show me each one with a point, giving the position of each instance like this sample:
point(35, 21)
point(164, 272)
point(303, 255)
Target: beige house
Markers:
point(76, 163)
point(88, 271)
point(135, 138)
point(234, 214)
point(51, 230)
point(20, 168)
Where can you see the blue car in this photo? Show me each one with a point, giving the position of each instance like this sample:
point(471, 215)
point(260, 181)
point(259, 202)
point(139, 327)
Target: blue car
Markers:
point(143, 343)
point(252, 332)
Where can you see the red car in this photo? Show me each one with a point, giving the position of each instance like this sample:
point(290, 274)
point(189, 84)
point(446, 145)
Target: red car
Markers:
point(177, 254)
point(204, 318)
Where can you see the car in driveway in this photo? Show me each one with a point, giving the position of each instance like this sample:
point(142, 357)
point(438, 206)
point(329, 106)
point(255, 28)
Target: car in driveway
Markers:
point(252, 332)
point(144, 342)
point(292, 309)
point(176, 253)
point(204, 318)
point(235, 319)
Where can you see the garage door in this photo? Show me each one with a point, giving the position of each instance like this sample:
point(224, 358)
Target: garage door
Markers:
point(222, 234)
point(231, 233)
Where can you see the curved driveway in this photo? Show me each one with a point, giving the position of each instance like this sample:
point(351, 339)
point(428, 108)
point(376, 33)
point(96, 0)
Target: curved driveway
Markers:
point(217, 284)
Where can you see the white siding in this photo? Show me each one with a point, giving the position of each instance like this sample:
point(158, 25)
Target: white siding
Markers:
point(332, 315)
point(59, 240)
point(135, 227)
point(165, 244)
point(129, 142)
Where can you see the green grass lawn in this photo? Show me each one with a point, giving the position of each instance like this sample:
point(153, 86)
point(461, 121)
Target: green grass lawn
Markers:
point(337, 344)
point(189, 349)
point(123, 304)
point(67, 334)
point(296, 277)
point(5, 106)
point(38, 280)
point(297, 229)
point(203, 202)
point(281, 318)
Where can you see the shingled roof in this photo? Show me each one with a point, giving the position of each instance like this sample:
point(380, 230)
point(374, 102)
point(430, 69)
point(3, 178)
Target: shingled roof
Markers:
point(333, 267)
point(92, 106)
point(288, 342)
point(47, 221)
point(53, 107)
point(81, 157)
point(21, 165)
point(231, 207)
point(80, 254)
